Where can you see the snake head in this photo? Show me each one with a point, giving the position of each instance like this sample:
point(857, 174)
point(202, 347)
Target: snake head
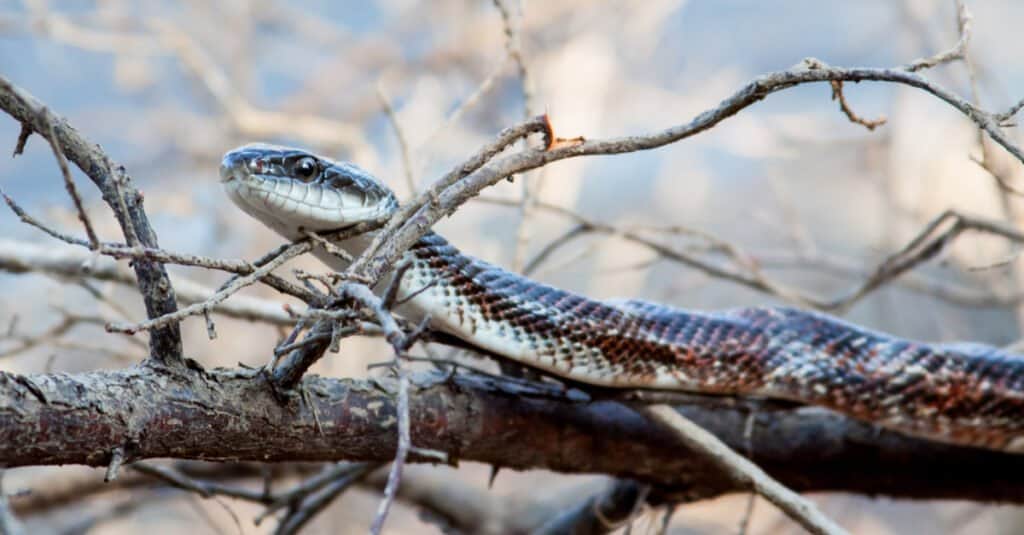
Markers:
point(291, 189)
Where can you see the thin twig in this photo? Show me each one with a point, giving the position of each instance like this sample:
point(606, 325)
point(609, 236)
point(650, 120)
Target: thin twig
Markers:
point(69, 183)
point(114, 467)
point(504, 139)
point(330, 473)
point(401, 450)
point(312, 505)
point(196, 309)
point(403, 144)
point(742, 471)
point(956, 52)
point(531, 184)
point(447, 194)
point(750, 274)
point(121, 251)
point(1008, 114)
point(204, 488)
point(837, 94)
point(24, 257)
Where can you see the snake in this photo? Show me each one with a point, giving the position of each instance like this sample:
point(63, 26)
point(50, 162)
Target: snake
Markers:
point(965, 394)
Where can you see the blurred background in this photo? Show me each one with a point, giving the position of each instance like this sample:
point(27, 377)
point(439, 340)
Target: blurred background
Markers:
point(809, 198)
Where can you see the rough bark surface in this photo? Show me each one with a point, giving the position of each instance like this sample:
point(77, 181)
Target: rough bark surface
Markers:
point(151, 411)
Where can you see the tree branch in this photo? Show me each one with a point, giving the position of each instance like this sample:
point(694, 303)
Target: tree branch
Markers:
point(744, 472)
point(482, 170)
point(221, 415)
point(125, 201)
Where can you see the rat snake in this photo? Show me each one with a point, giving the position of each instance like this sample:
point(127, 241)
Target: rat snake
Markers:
point(967, 394)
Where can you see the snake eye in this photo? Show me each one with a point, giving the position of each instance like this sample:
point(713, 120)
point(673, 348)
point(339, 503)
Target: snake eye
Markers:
point(306, 168)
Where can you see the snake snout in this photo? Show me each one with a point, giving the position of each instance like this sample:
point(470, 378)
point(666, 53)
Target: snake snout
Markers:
point(247, 160)
point(231, 162)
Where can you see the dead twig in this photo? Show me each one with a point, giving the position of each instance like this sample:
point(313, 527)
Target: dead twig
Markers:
point(403, 144)
point(955, 53)
point(305, 511)
point(206, 306)
point(742, 471)
point(837, 94)
point(69, 183)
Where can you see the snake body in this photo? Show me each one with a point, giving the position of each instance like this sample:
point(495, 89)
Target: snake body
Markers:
point(967, 394)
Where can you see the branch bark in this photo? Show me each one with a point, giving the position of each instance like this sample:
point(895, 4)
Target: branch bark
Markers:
point(151, 412)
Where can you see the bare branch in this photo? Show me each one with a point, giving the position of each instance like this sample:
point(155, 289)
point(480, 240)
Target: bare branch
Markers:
point(403, 145)
point(121, 251)
point(114, 466)
point(1008, 114)
point(25, 257)
point(431, 196)
point(166, 414)
point(69, 183)
point(603, 512)
point(925, 246)
point(837, 94)
point(401, 451)
point(201, 487)
point(958, 50)
point(124, 200)
point(317, 501)
point(206, 306)
point(453, 190)
point(744, 472)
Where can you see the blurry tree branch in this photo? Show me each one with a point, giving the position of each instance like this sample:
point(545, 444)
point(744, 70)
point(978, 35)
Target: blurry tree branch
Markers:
point(248, 119)
point(746, 268)
point(455, 503)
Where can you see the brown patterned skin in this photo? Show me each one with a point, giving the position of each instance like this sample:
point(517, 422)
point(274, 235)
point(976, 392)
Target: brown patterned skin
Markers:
point(961, 393)
point(967, 394)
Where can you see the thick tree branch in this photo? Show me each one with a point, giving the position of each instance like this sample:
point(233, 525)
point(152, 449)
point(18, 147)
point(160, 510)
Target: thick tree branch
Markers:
point(156, 412)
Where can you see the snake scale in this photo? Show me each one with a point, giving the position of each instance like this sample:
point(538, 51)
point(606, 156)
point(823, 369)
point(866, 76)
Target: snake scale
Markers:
point(967, 394)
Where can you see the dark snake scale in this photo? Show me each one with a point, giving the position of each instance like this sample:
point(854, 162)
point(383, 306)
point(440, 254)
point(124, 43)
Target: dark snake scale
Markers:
point(968, 394)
